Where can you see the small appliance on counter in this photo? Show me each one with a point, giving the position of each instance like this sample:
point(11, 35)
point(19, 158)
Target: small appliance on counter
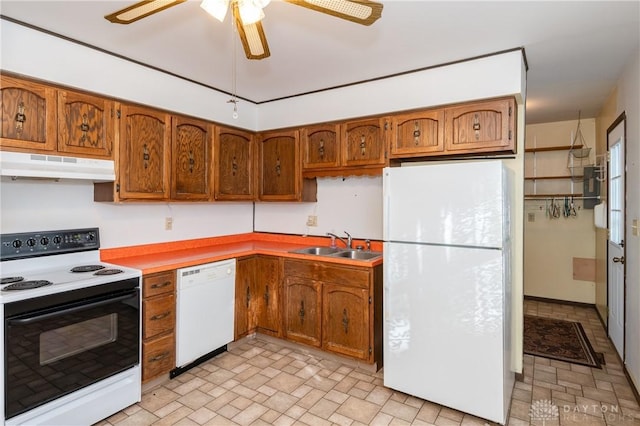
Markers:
point(71, 335)
point(447, 285)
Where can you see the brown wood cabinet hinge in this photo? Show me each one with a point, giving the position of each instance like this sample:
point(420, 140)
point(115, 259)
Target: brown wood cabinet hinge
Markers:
point(117, 187)
point(118, 113)
point(369, 299)
point(370, 349)
point(510, 134)
point(510, 111)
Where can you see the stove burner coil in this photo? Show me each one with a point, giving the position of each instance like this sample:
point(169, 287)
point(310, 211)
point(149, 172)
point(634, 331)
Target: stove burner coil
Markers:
point(26, 285)
point(87, 268)
point(10, 280)
point(108, 272)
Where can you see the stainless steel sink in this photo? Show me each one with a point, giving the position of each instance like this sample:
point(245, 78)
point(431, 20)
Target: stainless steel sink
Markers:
point(337, 252)
point(319, 251)
point(357, 254)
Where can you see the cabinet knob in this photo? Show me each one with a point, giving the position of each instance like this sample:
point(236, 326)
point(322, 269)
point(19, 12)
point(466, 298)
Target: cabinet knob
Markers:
point(84, 128)
point(20, 118)
point(345, 320)
point(192, 161)
point(145, 155)
point(301, 311)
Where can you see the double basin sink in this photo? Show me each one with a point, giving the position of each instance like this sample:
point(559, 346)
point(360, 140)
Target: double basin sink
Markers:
point(339, 253)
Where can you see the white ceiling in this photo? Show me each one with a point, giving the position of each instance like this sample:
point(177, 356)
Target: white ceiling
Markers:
point(575, 50)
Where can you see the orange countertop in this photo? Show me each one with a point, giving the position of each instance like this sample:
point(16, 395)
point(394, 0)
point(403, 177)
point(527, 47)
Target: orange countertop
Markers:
point(161, 257)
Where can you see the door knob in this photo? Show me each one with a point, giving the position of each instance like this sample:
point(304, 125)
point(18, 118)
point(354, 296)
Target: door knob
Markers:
point(618, 259)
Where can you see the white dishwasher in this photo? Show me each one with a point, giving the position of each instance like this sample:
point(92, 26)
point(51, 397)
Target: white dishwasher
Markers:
point(205, 309)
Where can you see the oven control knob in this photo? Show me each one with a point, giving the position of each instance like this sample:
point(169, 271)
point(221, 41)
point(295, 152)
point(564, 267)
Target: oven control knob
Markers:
point(31, 242)
point(16, 243)
point(57, 239)
point(44, 241)
point(91, 237)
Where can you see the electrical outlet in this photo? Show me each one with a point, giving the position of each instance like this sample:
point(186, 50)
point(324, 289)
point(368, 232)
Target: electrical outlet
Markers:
point(168, 223)
point(531, 217)
point(634, 227)
point(312, 220)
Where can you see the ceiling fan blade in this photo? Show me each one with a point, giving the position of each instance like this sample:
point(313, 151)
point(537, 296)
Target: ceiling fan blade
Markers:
point(140, 10)
point(252, 36)
point(363, 12)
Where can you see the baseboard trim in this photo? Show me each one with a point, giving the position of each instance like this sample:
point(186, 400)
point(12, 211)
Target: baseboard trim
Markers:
point(561, 302)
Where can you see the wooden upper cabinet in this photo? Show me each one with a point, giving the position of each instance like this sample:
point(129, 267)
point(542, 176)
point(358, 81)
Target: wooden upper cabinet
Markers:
point(191, 148)
point(85, 124)
point(320, 146)
point(280, 175)
point(418, 133)
point(28, 115)
point(481, 127)
point(234, 165)
point(364, 142)
point(145, 140)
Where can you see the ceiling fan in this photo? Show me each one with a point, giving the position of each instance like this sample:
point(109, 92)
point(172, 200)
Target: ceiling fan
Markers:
point(247, 15)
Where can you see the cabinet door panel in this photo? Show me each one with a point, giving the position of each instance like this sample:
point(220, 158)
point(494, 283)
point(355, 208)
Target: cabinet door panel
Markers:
point(418, 133)
point(280, 174)
point(28, 115)
point(191, 159)
point(267, 293)
point(144, 153)
point(320, 147)
point(346, 320)
point(481, 127)
point(245, 294)
point(234, 159)
point(303, 310)
point(364, 143)
point(85, 124)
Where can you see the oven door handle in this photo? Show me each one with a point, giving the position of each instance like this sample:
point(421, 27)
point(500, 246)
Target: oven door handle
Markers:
point(29, 320)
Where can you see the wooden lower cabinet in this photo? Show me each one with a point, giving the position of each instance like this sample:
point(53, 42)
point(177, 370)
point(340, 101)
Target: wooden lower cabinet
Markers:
point(158, 324)
point(335, 307)
point(257, 300)
point(303, 301)
point(244, 321)
point(267, 294)
point(345, 320)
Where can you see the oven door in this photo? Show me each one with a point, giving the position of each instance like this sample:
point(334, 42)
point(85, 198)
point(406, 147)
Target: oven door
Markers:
point(62, 342)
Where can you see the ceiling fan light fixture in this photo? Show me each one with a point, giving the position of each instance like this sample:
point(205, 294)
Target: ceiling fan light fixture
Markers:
point(216, 8)
point(250, 12)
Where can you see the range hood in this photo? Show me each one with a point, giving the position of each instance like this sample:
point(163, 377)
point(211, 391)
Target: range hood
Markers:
point(43, 166)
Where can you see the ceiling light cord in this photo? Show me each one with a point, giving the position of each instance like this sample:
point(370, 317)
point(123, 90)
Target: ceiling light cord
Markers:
point(234, 98)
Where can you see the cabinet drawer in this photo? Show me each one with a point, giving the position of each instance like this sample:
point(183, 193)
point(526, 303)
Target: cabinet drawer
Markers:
point(327, 272)
point(160, 283)
point(159, 315)
point(158, 357)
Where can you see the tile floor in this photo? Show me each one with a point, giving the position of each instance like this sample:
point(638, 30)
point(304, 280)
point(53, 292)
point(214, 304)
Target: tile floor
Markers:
point(264, 382)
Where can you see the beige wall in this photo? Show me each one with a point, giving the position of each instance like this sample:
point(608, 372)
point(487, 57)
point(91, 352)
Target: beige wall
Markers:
point(552, 244)
point(607, 115)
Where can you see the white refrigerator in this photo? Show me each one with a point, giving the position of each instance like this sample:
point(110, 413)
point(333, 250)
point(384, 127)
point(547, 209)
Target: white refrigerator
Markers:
point(447, 285)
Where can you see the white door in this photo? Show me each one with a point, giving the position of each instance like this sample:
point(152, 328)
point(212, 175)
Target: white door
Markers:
point(615, 264)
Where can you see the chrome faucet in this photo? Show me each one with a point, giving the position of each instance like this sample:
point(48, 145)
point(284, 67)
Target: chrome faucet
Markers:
point(346, 243)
